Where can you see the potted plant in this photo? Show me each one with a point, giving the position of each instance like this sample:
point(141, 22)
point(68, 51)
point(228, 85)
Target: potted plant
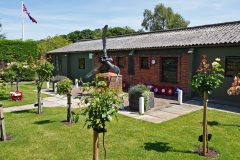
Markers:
point(137, 91)
point(207, 78)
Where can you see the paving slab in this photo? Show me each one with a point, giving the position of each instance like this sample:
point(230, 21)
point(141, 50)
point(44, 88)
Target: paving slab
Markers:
point(56, 101)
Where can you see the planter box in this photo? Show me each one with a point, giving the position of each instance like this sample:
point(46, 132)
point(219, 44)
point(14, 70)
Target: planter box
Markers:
point(134, 102)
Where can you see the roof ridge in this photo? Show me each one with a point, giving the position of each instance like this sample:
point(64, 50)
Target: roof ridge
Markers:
point(167, 30)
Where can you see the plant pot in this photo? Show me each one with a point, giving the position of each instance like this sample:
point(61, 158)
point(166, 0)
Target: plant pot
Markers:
point(134, 101)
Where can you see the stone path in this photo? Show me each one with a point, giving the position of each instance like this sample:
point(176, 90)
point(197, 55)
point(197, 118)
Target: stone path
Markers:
point(55, 101)
point(164, 110)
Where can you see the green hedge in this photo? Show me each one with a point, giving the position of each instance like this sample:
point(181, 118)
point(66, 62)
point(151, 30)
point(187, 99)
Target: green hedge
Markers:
point(16, 50)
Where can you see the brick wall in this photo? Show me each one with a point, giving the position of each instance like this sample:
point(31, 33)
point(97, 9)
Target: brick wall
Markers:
point(152, 75)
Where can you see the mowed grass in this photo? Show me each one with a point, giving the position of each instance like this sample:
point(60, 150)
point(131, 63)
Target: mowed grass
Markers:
point(29, 93)
point(45, 137)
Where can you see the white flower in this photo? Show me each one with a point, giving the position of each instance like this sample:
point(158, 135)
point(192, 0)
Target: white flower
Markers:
point(215, 64)
point(218, 59)
point(25, 66)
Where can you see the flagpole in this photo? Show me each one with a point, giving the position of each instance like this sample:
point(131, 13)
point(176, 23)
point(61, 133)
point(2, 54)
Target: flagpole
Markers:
point(22, 23)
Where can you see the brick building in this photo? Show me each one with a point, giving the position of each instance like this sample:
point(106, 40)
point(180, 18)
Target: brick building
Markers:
point(163, 58)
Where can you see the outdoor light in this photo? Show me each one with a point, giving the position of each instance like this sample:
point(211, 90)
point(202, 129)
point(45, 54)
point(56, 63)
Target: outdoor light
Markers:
point(153, 61)
point(90, 55)
point(191, 50)
point(131, 53)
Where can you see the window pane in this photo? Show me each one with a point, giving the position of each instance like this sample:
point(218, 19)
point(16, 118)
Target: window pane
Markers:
point(169, 69)
point(144, 62)
point(81, 63)
point(232, 66)
point(59, 63)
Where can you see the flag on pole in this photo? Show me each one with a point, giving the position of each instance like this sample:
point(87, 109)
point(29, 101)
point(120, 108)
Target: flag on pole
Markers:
point(28, 14)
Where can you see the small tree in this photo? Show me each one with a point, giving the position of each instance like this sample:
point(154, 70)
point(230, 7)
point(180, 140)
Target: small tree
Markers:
point(207, 78)
point(19, 68)
point(3, 88)
point(64, 87)
point(103, 104)
point(9, 76)
point(44, 72)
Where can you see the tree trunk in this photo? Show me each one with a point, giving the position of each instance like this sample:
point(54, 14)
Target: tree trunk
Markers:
point(69, 108)
point(95, 145)
point(11, 84)
point(39, 101)
point(3, 135)
point(17, 85)
point(205, 140)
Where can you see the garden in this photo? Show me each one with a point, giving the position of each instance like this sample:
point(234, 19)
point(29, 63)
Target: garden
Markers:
point(97, 131)
point(46, 137)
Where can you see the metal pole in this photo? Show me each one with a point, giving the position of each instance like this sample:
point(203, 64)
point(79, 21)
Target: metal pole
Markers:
point(22, 22)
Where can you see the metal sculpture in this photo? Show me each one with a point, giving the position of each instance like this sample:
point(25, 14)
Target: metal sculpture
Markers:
point(105, 59)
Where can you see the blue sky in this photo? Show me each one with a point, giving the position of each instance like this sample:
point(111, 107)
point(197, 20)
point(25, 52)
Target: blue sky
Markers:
point(63, 16)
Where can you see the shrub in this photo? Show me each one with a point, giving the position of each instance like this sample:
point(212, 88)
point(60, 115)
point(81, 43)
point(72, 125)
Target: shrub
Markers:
point(3, 88)
point(140, 90)
point(18, 51)
point(64, 86)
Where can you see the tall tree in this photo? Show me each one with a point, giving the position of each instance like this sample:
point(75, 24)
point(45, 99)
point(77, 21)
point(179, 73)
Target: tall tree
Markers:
point(80, 35)
point(2, 35)
point(96, 34)
point(51, 43)
point(162, 18)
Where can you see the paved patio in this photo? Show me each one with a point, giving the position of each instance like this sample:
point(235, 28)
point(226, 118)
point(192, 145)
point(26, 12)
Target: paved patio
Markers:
point(164, 110)
point(168, 108)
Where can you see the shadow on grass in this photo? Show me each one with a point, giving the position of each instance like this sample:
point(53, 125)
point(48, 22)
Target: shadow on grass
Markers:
point(162, 147)
point(43, 122)
point(216, 123)
point(2, 98)
point(24, 111)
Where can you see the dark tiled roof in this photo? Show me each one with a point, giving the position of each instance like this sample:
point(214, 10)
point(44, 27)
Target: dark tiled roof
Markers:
point(214, 34)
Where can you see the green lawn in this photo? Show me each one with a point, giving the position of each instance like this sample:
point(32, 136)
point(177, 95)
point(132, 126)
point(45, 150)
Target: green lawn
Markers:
point(29, 92)
point(45, 137)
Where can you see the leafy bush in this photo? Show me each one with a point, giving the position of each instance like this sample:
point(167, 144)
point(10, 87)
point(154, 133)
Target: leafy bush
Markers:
point(208, 77)
point(3, 88)
point(140, 90)
point(9, 75)
point(18, 51)
point(64, 86)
